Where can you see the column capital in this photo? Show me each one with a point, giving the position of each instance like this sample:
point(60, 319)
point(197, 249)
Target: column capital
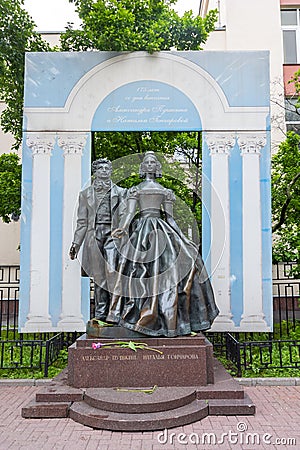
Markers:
point(72, 144)
point(251, 144)
point(220, 143)
point(41, 144)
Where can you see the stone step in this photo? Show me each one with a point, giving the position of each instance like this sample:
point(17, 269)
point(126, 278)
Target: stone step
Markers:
point(224, 386)
point(59, 393)
point(231, 407)
point(46, 410)
point(133, 401)
point(107, 420)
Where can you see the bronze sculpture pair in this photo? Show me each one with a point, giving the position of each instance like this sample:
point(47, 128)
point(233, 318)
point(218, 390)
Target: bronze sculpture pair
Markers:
point(149, 277)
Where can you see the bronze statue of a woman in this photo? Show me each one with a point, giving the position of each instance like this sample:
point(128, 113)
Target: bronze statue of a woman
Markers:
point(162, 287)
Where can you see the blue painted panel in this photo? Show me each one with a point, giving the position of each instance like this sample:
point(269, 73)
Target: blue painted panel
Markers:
point(85, 298)
point(243, 76)
point(50, 76)
point(236, 233)
point(56, 231)
point(85, 181)
point(206, 207)
point(25, 233)
point(266, 219)
point(146, 106)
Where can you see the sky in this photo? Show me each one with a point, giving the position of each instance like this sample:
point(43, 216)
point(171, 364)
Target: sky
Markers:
point(53, 15)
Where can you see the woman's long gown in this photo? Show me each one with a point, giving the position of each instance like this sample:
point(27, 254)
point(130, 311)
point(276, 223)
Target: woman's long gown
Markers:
point(162, 287)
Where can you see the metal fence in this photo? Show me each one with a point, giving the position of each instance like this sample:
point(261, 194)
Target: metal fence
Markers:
point(262, 356)
point(35, 351)
point(280, 349)
point(246, 351)
point(9, 300)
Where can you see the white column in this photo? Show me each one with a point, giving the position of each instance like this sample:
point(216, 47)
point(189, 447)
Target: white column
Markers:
point(38, 318)
point(220, 146)
point(252, 317)
point(71, 317)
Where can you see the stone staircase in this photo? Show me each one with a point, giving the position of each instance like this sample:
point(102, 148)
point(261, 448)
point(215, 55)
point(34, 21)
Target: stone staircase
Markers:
point(133, 409)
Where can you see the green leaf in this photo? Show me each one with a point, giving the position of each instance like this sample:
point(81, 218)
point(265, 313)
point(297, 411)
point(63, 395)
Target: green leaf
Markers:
point(132, 346)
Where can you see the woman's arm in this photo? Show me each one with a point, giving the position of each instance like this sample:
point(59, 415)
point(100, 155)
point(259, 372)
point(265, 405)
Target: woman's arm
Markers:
point(168, 209)
point(168, 204)
point(128, 216)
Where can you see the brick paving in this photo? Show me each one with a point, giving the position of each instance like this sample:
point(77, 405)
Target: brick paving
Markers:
point(276, 422)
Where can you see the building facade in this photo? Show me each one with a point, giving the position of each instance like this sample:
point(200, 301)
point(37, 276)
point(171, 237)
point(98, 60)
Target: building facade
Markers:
point(254, 25)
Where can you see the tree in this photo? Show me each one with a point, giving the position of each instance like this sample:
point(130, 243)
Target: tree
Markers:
point(286, 187)
point(17, 37)
point(286, 200)
point(131, 25)
point(10, 187)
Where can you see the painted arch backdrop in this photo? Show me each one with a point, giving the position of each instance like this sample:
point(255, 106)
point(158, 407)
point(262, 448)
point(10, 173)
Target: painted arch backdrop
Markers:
point(224, 94)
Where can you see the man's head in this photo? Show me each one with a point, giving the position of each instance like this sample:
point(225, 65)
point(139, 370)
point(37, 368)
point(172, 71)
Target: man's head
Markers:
point(102, 169)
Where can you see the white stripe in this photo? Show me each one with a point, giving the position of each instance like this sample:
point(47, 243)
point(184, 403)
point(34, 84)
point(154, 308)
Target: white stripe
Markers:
point(71, 317)
point(252, 317)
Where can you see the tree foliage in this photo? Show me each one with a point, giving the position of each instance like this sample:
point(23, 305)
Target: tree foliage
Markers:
point(286, 190)
point(10, 186)
point(17, 37)
point(286, 200)
point(115, 145)
point(131, 25)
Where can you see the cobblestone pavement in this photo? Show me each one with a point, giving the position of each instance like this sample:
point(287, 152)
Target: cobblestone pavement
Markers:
point(276, 425)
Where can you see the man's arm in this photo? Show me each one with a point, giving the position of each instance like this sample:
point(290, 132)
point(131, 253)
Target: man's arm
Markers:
point(81, 227)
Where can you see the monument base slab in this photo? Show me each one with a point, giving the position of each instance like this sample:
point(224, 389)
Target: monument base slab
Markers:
point(182, 361)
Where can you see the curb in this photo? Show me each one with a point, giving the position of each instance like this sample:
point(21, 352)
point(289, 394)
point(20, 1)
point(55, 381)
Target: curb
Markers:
point(25, 382)
point(269, 381)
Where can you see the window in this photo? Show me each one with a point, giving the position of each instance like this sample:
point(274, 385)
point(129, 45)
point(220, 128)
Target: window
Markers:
point(289, 17)
point(292, 115)
point(290, 23)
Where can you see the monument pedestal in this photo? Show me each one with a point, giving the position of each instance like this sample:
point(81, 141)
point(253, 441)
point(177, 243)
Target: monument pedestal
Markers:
point(181, 361)
point(150, 384)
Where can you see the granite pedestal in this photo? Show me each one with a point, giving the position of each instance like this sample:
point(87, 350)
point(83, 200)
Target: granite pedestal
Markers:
point(184, 361)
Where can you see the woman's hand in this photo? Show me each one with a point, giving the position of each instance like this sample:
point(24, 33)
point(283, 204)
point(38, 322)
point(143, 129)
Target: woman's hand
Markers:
point(118, 233)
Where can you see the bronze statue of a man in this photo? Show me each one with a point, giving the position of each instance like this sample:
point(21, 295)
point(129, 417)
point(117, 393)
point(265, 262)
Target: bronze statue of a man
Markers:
point(99, 211)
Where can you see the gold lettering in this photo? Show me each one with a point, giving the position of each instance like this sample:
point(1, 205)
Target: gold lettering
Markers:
point(95, 358)
point(147, 357)
point(128, 358)
point(184, 356)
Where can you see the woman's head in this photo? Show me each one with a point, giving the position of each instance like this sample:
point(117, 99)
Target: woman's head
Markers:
point(150, 164)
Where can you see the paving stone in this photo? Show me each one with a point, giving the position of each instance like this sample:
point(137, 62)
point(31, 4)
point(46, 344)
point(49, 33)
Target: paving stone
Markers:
point(274, 405)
